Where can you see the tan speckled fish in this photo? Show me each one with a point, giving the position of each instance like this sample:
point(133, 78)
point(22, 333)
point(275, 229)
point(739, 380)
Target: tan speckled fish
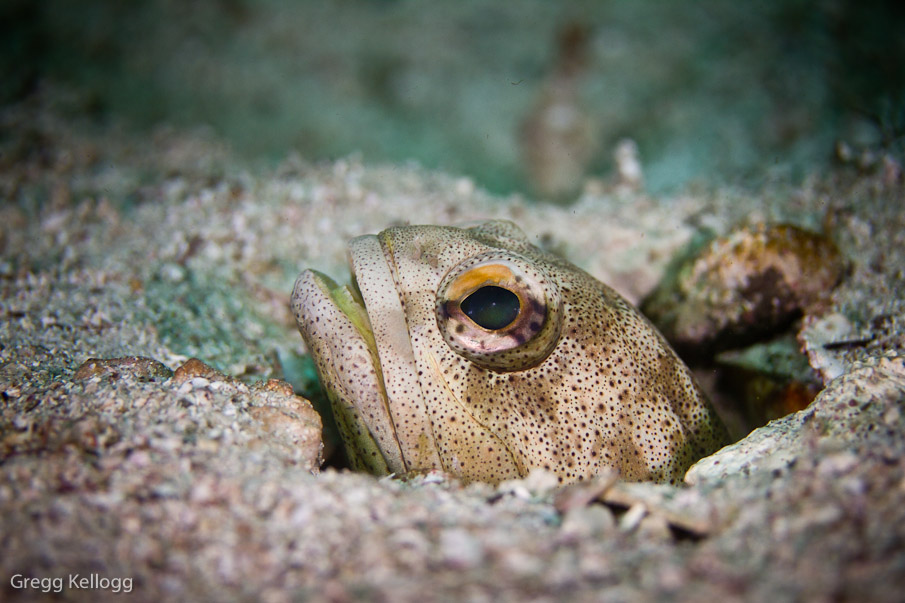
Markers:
point(474, 352)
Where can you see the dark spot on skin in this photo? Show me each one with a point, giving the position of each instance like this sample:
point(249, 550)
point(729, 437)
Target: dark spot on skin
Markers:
point(447, 308)
point(538, 308)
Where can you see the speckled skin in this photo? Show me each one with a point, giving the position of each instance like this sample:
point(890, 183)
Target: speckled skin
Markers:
point(585, 385)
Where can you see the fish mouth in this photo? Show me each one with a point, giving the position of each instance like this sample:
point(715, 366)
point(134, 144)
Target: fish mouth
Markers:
point(346, 298)
point(337, 323)
point(361, 341)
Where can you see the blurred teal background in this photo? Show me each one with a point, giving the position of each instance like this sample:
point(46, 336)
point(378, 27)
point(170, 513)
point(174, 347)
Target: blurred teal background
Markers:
point(711, 90)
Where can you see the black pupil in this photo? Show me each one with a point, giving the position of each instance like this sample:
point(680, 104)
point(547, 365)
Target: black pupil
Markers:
point(491, 307)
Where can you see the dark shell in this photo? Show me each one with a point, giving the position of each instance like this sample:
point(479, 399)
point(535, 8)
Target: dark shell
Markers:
point(743, 287)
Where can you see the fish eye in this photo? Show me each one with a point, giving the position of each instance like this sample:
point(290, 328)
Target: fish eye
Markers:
point(500, 311)
point(491, 307)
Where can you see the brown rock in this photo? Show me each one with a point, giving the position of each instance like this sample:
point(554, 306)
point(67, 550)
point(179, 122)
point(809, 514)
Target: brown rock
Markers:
point(141, 367)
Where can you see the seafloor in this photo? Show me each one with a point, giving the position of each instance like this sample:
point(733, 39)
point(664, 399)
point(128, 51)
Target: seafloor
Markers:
point(145, 248)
